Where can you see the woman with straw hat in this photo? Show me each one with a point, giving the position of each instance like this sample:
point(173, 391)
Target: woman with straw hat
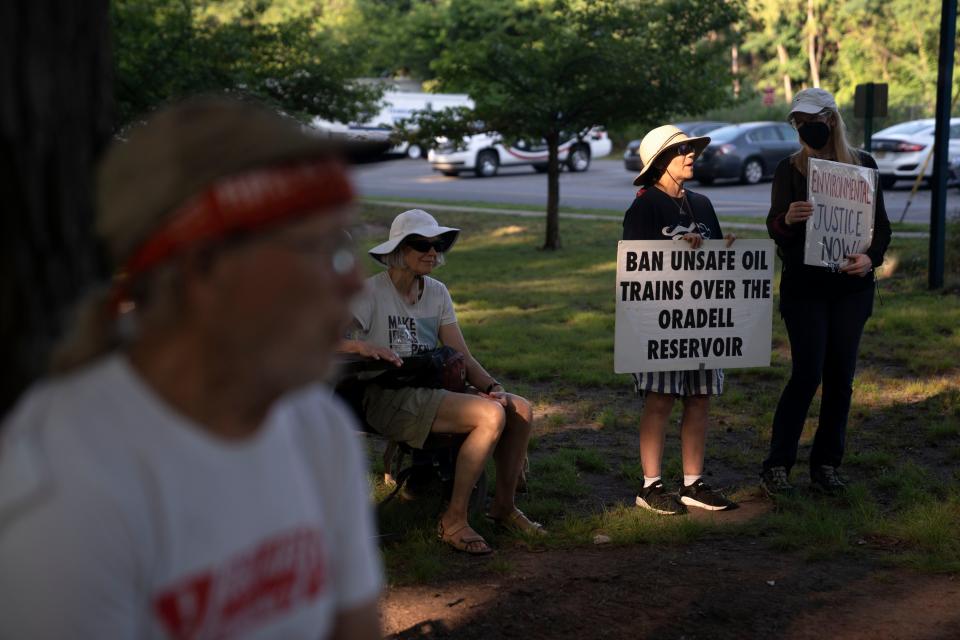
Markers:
point(665, 210)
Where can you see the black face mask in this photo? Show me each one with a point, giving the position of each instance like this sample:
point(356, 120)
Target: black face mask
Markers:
point(815, 134)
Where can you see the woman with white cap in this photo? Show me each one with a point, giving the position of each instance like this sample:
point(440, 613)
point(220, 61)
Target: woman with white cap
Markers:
point(405, 310)
point(665, 210)
point(824, 310)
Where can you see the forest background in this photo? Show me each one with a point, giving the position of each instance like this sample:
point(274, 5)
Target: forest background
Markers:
point(306, 56)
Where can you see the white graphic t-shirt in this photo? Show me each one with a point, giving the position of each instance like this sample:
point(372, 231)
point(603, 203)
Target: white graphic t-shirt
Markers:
point(387, 320)
point(121, 519)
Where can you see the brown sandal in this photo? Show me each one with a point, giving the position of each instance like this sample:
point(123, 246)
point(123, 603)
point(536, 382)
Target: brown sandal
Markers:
point(465, 543)
point(518, 522)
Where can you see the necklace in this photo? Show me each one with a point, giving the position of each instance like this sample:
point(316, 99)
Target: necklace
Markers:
point(682, 201)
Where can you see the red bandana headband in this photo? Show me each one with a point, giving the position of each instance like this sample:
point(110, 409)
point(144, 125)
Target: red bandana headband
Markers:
point(238, 203)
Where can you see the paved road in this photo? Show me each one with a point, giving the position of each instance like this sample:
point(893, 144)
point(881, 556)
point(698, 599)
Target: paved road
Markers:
point(605, 186)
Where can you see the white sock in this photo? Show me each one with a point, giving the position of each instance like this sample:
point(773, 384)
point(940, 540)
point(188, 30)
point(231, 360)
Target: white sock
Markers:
point(689, 480)
point(650, 481)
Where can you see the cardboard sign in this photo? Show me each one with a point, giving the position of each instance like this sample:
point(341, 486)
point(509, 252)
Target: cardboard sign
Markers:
point(680, 308)
point(844, 198)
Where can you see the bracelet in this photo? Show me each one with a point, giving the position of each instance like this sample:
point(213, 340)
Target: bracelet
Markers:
point(492, 385)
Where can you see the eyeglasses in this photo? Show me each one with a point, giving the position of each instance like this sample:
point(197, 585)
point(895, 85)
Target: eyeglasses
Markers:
point(424, 245)
point(684, 148)
point(337, 249)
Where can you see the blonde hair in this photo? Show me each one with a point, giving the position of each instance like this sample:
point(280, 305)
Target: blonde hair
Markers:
point(838, 148)
point(98, 329)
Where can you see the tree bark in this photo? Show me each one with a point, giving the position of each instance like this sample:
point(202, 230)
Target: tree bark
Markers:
point(735, 69)
point(812, 34)
point(55, 119)
point(787, 84)
point(552, 240)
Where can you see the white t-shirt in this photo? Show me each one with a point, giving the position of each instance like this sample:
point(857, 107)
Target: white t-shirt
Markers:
point(121, 519)
point(382, 313)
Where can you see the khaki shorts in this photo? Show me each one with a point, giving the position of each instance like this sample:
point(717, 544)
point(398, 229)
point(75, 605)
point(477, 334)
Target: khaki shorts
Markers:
point(402, 415)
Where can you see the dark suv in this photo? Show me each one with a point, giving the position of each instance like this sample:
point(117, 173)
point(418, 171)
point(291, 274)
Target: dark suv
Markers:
point(748, 151)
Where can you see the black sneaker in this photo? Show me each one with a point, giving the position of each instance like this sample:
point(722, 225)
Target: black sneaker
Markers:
point(700, 495)
point(826, 480)
point(656, 499)
point(774, 482)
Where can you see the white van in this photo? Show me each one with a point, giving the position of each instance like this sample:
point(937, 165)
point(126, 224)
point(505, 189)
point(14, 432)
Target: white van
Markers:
point(397, 106)
point(484, 154)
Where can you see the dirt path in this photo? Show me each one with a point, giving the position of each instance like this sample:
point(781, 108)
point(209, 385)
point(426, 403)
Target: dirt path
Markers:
point(723, 587)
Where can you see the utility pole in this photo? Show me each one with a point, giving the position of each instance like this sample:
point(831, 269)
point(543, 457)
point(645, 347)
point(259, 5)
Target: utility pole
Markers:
point(941, 143)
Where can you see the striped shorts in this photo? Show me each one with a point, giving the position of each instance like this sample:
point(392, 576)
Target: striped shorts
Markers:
point(695, 382)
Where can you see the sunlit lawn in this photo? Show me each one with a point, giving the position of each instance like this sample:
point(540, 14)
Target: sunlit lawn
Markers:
point(544, 322)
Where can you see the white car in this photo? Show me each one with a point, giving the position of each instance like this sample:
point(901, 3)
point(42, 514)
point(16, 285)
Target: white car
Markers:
point(901, 150)
point(396, 106)
point(484, 154)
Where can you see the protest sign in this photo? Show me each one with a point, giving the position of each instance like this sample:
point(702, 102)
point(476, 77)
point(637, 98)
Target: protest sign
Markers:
point(843, 197)
point(680, 308)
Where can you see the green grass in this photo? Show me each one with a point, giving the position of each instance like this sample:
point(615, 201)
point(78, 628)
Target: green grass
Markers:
point(614, 212)
point(543, 322)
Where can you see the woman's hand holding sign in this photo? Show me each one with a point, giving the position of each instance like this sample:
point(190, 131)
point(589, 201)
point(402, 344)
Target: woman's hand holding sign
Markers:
point(859, 264)
point(695, 239)
point(799, 211)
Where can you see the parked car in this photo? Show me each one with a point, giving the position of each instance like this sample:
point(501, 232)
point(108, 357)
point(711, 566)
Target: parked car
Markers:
point(901, 150)
point(484, 154)
point(748, 151)
point(631, 157)
point(394, 107)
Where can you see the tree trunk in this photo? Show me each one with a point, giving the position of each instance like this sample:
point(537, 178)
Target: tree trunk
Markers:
point(55, 119)
point(812, 34)
point(787, 84)
point(552, 241)
point(735, 69)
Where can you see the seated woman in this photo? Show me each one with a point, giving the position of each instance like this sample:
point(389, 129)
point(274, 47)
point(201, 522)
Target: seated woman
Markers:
point(404, 309)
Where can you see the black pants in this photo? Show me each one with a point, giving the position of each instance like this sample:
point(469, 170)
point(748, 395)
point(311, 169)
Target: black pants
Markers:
point(824, 338)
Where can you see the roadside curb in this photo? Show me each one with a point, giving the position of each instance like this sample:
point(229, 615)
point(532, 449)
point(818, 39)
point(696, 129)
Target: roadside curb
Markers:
point(527, 213)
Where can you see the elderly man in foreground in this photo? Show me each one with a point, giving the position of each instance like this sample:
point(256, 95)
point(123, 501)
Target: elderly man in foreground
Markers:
point(182, 475)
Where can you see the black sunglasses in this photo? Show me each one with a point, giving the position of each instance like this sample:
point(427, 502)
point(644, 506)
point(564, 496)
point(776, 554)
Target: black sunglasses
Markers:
point(423, 245)
point(684, 148)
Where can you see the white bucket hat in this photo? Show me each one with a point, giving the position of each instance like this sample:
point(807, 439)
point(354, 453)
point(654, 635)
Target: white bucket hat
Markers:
point(659, 140)
point(813, 100)
point(415, 222)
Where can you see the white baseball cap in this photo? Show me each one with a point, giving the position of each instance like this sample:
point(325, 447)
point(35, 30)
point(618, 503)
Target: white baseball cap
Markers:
point(812, 100)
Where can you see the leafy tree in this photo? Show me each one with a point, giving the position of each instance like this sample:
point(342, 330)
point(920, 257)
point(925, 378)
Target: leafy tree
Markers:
point(773, 36)
point(538, 69)
point(167, 49)
point(842, 43)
